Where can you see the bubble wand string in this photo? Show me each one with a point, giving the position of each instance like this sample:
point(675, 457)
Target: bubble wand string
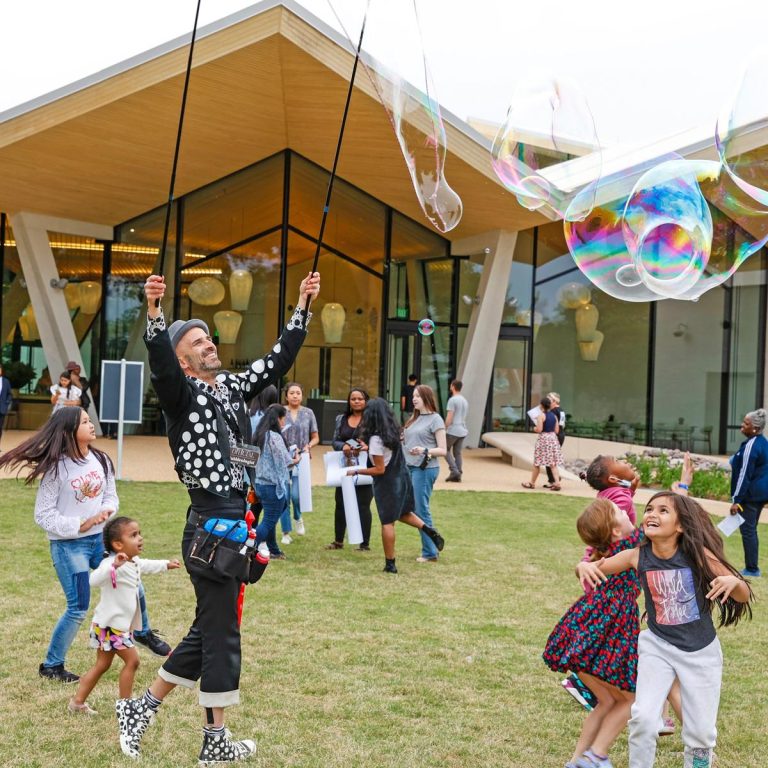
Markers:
point(178, 146)
point(329, 191)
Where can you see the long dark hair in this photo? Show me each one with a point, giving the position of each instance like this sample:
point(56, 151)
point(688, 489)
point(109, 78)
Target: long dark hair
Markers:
point(55, 440)
point(379, 420)
point(365, 395)
point(270, 422)
point(700, 537)
point(263, 400)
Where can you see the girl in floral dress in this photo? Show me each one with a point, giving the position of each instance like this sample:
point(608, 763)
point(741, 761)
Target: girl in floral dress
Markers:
point(597, 636)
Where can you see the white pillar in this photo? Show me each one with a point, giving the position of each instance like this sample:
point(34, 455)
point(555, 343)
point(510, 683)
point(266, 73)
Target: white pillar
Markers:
point(476, 364)
point(30, 230)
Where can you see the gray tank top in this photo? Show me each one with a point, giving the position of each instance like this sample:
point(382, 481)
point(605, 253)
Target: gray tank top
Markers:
point(677, 609)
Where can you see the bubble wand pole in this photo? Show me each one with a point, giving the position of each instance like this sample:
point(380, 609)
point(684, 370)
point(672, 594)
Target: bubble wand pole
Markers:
point(178, 146)
point(329, 191)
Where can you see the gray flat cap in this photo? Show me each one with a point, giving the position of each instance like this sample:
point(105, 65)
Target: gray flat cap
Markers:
point(180, 327)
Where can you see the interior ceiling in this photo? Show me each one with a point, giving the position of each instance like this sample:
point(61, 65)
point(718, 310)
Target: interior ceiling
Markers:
point(104, 154)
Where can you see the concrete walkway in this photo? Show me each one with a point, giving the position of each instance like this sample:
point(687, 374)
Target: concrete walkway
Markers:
point(149, 459)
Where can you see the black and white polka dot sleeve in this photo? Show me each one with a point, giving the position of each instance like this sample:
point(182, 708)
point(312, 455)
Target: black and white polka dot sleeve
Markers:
point(155, 326)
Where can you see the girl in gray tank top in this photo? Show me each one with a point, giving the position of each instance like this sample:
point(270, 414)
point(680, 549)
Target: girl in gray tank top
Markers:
point(685, 577)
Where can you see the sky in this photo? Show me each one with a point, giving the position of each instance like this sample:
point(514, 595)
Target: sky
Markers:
point(648, 69)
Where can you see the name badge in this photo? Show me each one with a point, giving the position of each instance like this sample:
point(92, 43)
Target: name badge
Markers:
point(244, 454)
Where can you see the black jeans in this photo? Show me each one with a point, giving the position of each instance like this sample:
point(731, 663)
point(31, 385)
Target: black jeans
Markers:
point(748, 529)
point(364, 498)
point(210, 651)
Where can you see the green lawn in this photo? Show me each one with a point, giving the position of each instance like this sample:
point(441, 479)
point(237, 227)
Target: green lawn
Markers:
point(347, 666)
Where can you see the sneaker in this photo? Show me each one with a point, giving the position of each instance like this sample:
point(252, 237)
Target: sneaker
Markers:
point(263, 550)
point(438, 540)
point(667, 727)
point(574, 691)
point(421, 559)
point(300, 527)
point(278, 556)
point(82, 709)
point(286, 539)
point(590, 760)
point(151, 639)
point(221, 748)
point(575, 686)
point(751, 574)
point(58, 673)
point(133, 719)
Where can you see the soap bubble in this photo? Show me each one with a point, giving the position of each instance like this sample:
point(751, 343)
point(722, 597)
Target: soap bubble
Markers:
point(401, 77)
point(426, 327)
point(668, 237)
point(548, 123)
point(738, 143)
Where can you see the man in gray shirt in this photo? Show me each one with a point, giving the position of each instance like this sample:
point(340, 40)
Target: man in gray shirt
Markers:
point(456, 430)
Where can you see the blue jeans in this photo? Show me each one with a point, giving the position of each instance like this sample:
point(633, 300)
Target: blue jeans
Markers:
point(285, 518)
point(422, 481)
point(272, 510)
point(72, 560)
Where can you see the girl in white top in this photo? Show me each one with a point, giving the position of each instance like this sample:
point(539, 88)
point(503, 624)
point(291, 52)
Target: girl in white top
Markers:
point(118, 612)
point(65, 393)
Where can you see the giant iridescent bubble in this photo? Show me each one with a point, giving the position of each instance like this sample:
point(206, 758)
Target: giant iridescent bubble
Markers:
point(659, 239)
point(548, 123)
point(739, 143)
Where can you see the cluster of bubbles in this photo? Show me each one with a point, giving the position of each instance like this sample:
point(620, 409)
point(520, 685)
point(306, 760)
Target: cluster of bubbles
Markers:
point(660, 230)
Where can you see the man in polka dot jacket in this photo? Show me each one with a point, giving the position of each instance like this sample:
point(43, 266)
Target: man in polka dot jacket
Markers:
point(205, 416)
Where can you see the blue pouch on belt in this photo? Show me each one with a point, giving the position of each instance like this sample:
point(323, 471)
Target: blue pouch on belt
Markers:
point(234, 530)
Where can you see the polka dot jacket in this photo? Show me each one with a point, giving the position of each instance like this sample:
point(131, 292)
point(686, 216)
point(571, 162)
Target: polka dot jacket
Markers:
point(203, 421)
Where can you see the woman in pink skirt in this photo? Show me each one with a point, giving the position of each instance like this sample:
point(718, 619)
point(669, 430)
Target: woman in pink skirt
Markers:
point(546, 452)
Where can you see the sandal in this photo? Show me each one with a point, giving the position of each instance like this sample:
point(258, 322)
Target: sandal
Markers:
point(334, 545)
point(528, 485)
point(554, 487)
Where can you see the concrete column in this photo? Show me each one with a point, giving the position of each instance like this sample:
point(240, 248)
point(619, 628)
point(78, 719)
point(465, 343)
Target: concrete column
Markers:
point(57, 334)
point(476, 364)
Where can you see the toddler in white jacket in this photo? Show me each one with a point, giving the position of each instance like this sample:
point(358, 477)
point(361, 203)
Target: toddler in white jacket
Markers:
point(118, 612)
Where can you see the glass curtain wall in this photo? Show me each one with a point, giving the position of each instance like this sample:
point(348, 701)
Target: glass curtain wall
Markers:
point(602, 379)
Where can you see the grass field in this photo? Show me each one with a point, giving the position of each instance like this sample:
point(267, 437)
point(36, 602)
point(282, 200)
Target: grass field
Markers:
point(346, 666)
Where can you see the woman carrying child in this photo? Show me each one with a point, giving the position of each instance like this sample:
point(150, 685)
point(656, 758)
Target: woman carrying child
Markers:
point(65, 393)
point(392, 486)
point(119, 611)
point(684, 575)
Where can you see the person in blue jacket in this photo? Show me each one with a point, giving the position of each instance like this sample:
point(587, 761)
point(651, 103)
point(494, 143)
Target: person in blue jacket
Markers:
point(749, 485)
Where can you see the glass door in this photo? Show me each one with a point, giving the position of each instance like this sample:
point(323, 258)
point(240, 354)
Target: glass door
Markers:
point(508, 398)
point(403, 358)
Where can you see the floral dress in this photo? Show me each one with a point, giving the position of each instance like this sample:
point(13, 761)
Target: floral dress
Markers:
point(598, 634)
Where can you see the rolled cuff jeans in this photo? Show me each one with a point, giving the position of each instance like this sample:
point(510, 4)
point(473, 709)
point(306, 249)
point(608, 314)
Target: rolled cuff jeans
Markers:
point(423, 480)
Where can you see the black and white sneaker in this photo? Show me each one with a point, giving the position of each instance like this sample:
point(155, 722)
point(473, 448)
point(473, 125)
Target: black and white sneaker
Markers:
point(151, 639)
point(133, 719)
point(220, 748)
